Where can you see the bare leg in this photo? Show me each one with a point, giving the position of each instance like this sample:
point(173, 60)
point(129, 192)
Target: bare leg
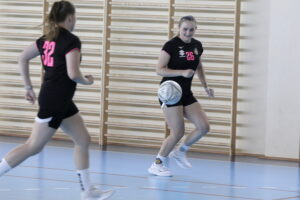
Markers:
point(196, 115)
point(75, 128)
point(40, 135)
point(175, 121)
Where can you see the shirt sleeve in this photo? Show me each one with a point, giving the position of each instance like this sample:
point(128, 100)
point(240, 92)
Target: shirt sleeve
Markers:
point(200, 48)
point(37, 44)
point(74, 44)
point(167, 48)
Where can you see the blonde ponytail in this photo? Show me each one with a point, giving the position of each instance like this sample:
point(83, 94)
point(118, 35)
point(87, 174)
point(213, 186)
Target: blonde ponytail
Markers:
point(59, 12)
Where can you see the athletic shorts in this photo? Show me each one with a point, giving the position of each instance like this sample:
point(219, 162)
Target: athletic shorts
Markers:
point(184, 101)
point(54, 118)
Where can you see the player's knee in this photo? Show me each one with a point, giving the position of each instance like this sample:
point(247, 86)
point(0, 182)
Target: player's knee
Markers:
point(84, 141)
point(87, 140)
point(204, 128)
point(177, 133)
point(33, 149)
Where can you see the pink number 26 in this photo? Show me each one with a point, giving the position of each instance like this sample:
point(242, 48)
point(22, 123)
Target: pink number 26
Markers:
point(47, 58)
point(190, 55)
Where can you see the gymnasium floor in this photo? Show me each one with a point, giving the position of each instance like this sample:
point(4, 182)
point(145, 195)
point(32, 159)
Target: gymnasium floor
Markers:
point(50, 176)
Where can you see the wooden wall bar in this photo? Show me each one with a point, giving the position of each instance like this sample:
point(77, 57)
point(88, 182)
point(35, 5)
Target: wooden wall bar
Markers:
point(121, 43)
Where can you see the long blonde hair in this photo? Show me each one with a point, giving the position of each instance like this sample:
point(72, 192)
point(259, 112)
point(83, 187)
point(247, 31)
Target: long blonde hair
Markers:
point(59, 12)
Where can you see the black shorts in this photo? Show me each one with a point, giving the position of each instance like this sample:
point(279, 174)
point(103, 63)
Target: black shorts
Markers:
point(54, 117)
point(184, 101)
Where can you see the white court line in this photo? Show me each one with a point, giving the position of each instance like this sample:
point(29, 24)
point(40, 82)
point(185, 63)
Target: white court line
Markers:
point(278, 189)
point(151, 187)
point(239, 187)
point(272, 188)
point(62, 188)
point(32, 189)
point(120, 187)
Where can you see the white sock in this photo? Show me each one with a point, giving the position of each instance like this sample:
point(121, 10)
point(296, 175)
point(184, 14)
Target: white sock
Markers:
point(84, 179)
point(4, 167)
point(160, 158)
point(183, 148)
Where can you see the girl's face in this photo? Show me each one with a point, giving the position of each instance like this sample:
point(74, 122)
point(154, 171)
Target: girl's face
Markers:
point(187, 30)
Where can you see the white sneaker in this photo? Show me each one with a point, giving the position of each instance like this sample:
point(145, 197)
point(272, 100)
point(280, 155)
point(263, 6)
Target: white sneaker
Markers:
point(159, 170)
point(180, 158)
point(95, 194)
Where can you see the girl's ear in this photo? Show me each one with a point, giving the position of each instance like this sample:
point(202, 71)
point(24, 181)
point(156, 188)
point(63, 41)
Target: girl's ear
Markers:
point(70, 18)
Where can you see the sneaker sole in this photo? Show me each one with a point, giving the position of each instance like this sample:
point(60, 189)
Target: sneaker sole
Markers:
point(179, 163)
point(155, 174)
point(104, 196)
point(107, 195)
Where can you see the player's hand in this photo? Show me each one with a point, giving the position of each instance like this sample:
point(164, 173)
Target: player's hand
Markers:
point(210, 92)
point(30, 96)
point(188, 73)
point(89, 79)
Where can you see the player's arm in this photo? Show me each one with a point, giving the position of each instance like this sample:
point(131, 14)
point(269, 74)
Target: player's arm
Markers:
point(163, 70)
point(201, 75)
point(28, 53)
point(74, 73)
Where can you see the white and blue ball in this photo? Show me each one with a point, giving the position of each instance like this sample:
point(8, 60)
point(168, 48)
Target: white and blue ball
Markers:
point(169, 92)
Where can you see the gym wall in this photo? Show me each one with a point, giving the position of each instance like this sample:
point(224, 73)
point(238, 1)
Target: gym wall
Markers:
point(121, 43)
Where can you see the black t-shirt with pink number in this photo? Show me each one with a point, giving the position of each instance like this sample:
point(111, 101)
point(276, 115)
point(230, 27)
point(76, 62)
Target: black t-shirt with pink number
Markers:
point(57, 87)
point(183, 56)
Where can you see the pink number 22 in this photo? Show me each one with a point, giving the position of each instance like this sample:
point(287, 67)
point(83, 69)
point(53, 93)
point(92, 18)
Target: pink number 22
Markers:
point(48, 51)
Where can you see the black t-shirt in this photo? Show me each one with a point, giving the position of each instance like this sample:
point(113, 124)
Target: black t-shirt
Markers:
point(57, 87)
point(183, 56)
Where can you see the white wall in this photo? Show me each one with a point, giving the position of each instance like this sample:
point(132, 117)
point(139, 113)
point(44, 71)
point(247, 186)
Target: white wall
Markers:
point(253, 72)
point(271, 112)
point(283, 108)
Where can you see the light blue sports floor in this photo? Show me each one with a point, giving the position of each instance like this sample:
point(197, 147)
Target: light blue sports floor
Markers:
point(51, 176)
